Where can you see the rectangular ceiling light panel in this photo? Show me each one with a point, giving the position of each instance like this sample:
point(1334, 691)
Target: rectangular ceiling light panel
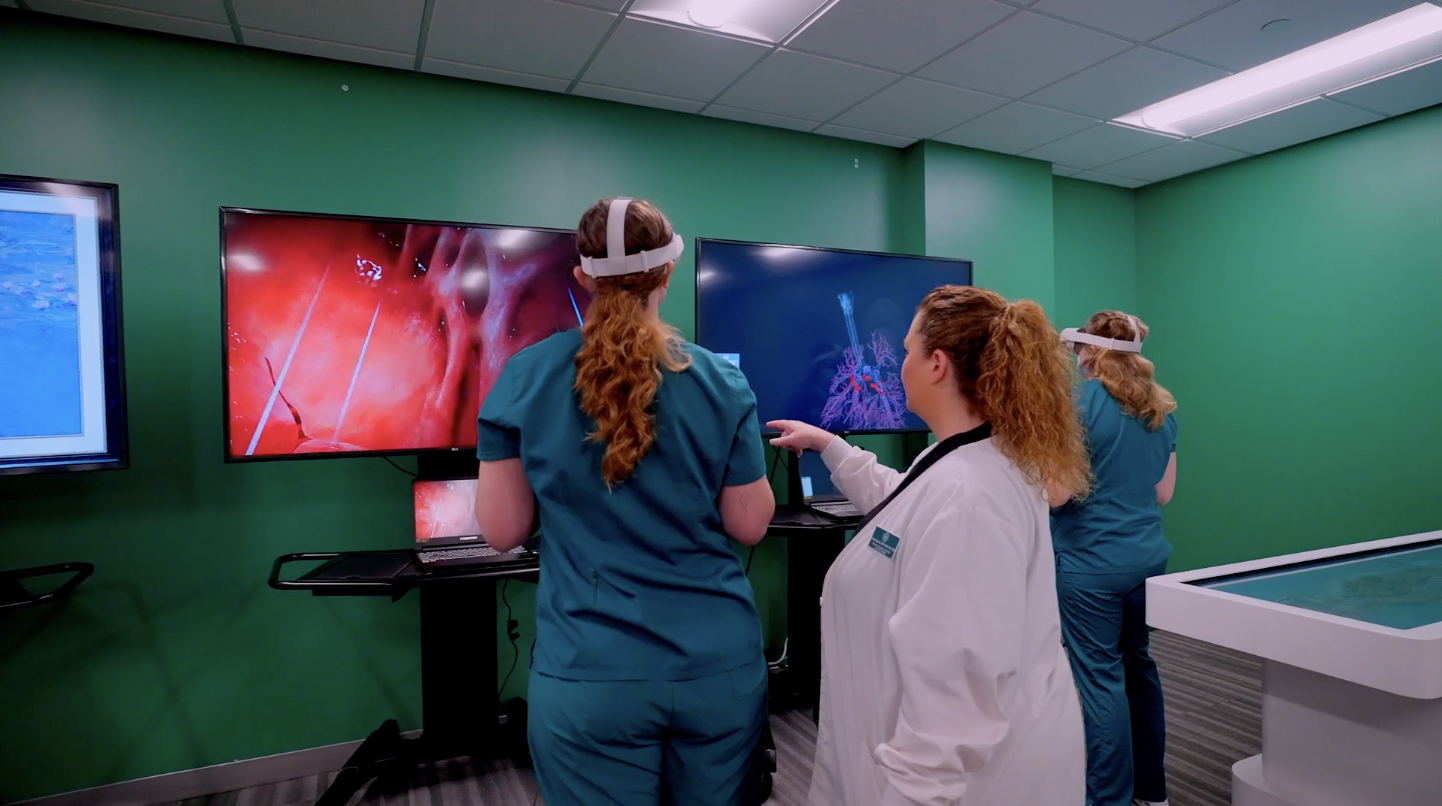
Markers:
point(1390, 45)
point(768, 21)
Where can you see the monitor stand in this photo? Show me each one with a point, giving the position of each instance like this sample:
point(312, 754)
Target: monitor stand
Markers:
point(447, 464)
point(795, 512)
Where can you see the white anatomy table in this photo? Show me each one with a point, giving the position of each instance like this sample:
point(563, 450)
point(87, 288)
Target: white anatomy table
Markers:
point(1351, 646)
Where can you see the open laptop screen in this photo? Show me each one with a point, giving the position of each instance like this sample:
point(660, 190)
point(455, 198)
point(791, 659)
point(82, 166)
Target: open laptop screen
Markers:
point(445, 508)
point(815, 478)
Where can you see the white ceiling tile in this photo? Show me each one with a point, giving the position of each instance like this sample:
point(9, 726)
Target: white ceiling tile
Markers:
point(697, 65)
point(114, 15)
point(1289, 127)
point(1138, 20)
point(1172, 160)
point(848, 133)
point(918, 109)
point(456, 70)
point(391, 25)
point(1015, 128)
point(1399, 94)
point(1063, 170)
point(1109, 179)
point(203, 10)
point(1138, 78)
point(537, 37)
point(637, 98)
point(1022, 55)
point(328, 50)
point(759, 118)
point(1098, 146)
point(1233, 37)
point(801, 86)
point(899, 35)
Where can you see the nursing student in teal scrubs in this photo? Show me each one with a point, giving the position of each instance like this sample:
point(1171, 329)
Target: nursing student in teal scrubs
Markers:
point(639, 455)
point(1107, 545)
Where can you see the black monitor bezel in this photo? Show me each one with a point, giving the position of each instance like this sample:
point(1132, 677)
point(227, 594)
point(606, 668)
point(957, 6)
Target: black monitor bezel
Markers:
point(117, 439)
point(224, 352)
point(696, 262)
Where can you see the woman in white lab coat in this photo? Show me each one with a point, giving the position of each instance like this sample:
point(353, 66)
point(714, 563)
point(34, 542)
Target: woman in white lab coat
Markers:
point(944, 681)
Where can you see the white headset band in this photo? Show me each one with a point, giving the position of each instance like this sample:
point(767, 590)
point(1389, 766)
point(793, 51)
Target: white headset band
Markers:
point(616, 262)
point(1073, 336)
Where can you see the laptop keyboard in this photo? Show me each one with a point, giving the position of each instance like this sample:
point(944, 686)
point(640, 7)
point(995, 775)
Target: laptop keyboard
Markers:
point(839, 509)
point(462, 553)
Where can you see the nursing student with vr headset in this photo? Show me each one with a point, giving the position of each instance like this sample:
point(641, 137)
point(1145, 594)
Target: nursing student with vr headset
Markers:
point(641, 455)
point(1107, 545)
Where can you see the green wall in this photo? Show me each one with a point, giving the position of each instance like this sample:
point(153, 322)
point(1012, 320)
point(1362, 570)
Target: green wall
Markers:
point(176, 655)
point(1295, 300)
point(972, 197)
point(1293, 297)
point(1096, 250)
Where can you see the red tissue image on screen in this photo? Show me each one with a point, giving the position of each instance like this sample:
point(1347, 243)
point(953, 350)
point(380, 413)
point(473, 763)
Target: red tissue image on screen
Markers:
point(446, 509)
point(346, 335)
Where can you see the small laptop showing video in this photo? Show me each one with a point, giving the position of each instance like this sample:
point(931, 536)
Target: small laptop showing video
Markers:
point(446, 529)
point(820, 494)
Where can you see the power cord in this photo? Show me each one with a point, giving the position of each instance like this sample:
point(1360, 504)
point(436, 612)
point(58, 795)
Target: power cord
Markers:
point(401, 469)
point(751, 555)
point(513, 633)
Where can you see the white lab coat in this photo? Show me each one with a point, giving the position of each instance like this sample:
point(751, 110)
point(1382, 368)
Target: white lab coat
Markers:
point(944, 681)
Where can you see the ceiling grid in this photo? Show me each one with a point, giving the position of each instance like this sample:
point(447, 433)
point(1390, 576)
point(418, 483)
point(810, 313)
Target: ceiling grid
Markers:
point(1038, 78)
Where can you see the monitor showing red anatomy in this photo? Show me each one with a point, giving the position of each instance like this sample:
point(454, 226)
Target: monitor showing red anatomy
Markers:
point(348, 335)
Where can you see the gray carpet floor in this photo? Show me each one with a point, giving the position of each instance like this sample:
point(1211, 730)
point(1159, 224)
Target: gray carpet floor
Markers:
point(1213, 720)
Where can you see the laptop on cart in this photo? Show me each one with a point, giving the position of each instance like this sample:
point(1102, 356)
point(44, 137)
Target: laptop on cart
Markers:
point(446, 530)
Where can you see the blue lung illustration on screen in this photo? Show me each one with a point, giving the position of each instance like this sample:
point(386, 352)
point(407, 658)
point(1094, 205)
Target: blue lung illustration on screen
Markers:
point(865, 395)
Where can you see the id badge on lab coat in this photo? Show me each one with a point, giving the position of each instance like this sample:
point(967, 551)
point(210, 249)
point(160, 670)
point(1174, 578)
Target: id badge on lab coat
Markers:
point(884, 542)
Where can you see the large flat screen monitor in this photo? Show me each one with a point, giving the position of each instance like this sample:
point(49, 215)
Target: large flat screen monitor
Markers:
point(62, 379)
point(817, 332)
point(348, 335)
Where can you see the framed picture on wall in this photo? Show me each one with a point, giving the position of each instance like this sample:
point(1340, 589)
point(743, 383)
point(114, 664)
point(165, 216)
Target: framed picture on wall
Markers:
point(62, 379)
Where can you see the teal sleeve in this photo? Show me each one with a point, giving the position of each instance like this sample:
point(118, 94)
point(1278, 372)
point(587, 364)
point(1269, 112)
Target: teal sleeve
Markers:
point(1171, 426)
point(746, 462)
point(498, 429)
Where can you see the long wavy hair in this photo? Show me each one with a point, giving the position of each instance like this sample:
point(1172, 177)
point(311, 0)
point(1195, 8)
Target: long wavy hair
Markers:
point(619, 367)
point(1011, 366)
point(1127, 377)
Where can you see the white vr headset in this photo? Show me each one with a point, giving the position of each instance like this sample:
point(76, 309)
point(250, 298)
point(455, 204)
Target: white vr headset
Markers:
point(1074, 336)
point(616, 262)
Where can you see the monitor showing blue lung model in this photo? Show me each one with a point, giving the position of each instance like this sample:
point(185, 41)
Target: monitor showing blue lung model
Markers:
point(817, 332)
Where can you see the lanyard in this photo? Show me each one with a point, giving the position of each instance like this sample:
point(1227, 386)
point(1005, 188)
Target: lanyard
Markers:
point(945, 447)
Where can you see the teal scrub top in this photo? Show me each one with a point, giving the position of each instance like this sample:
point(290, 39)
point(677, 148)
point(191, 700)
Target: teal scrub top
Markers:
point(1119, 526)
point(638, 582)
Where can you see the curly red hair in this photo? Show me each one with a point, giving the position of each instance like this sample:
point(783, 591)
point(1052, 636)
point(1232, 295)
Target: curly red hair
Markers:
point(1012, 367)
point(618, 369)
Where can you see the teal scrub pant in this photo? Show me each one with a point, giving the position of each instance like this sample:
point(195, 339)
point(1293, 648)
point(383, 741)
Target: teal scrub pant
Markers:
point(644, 743)
point(1104, 625)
